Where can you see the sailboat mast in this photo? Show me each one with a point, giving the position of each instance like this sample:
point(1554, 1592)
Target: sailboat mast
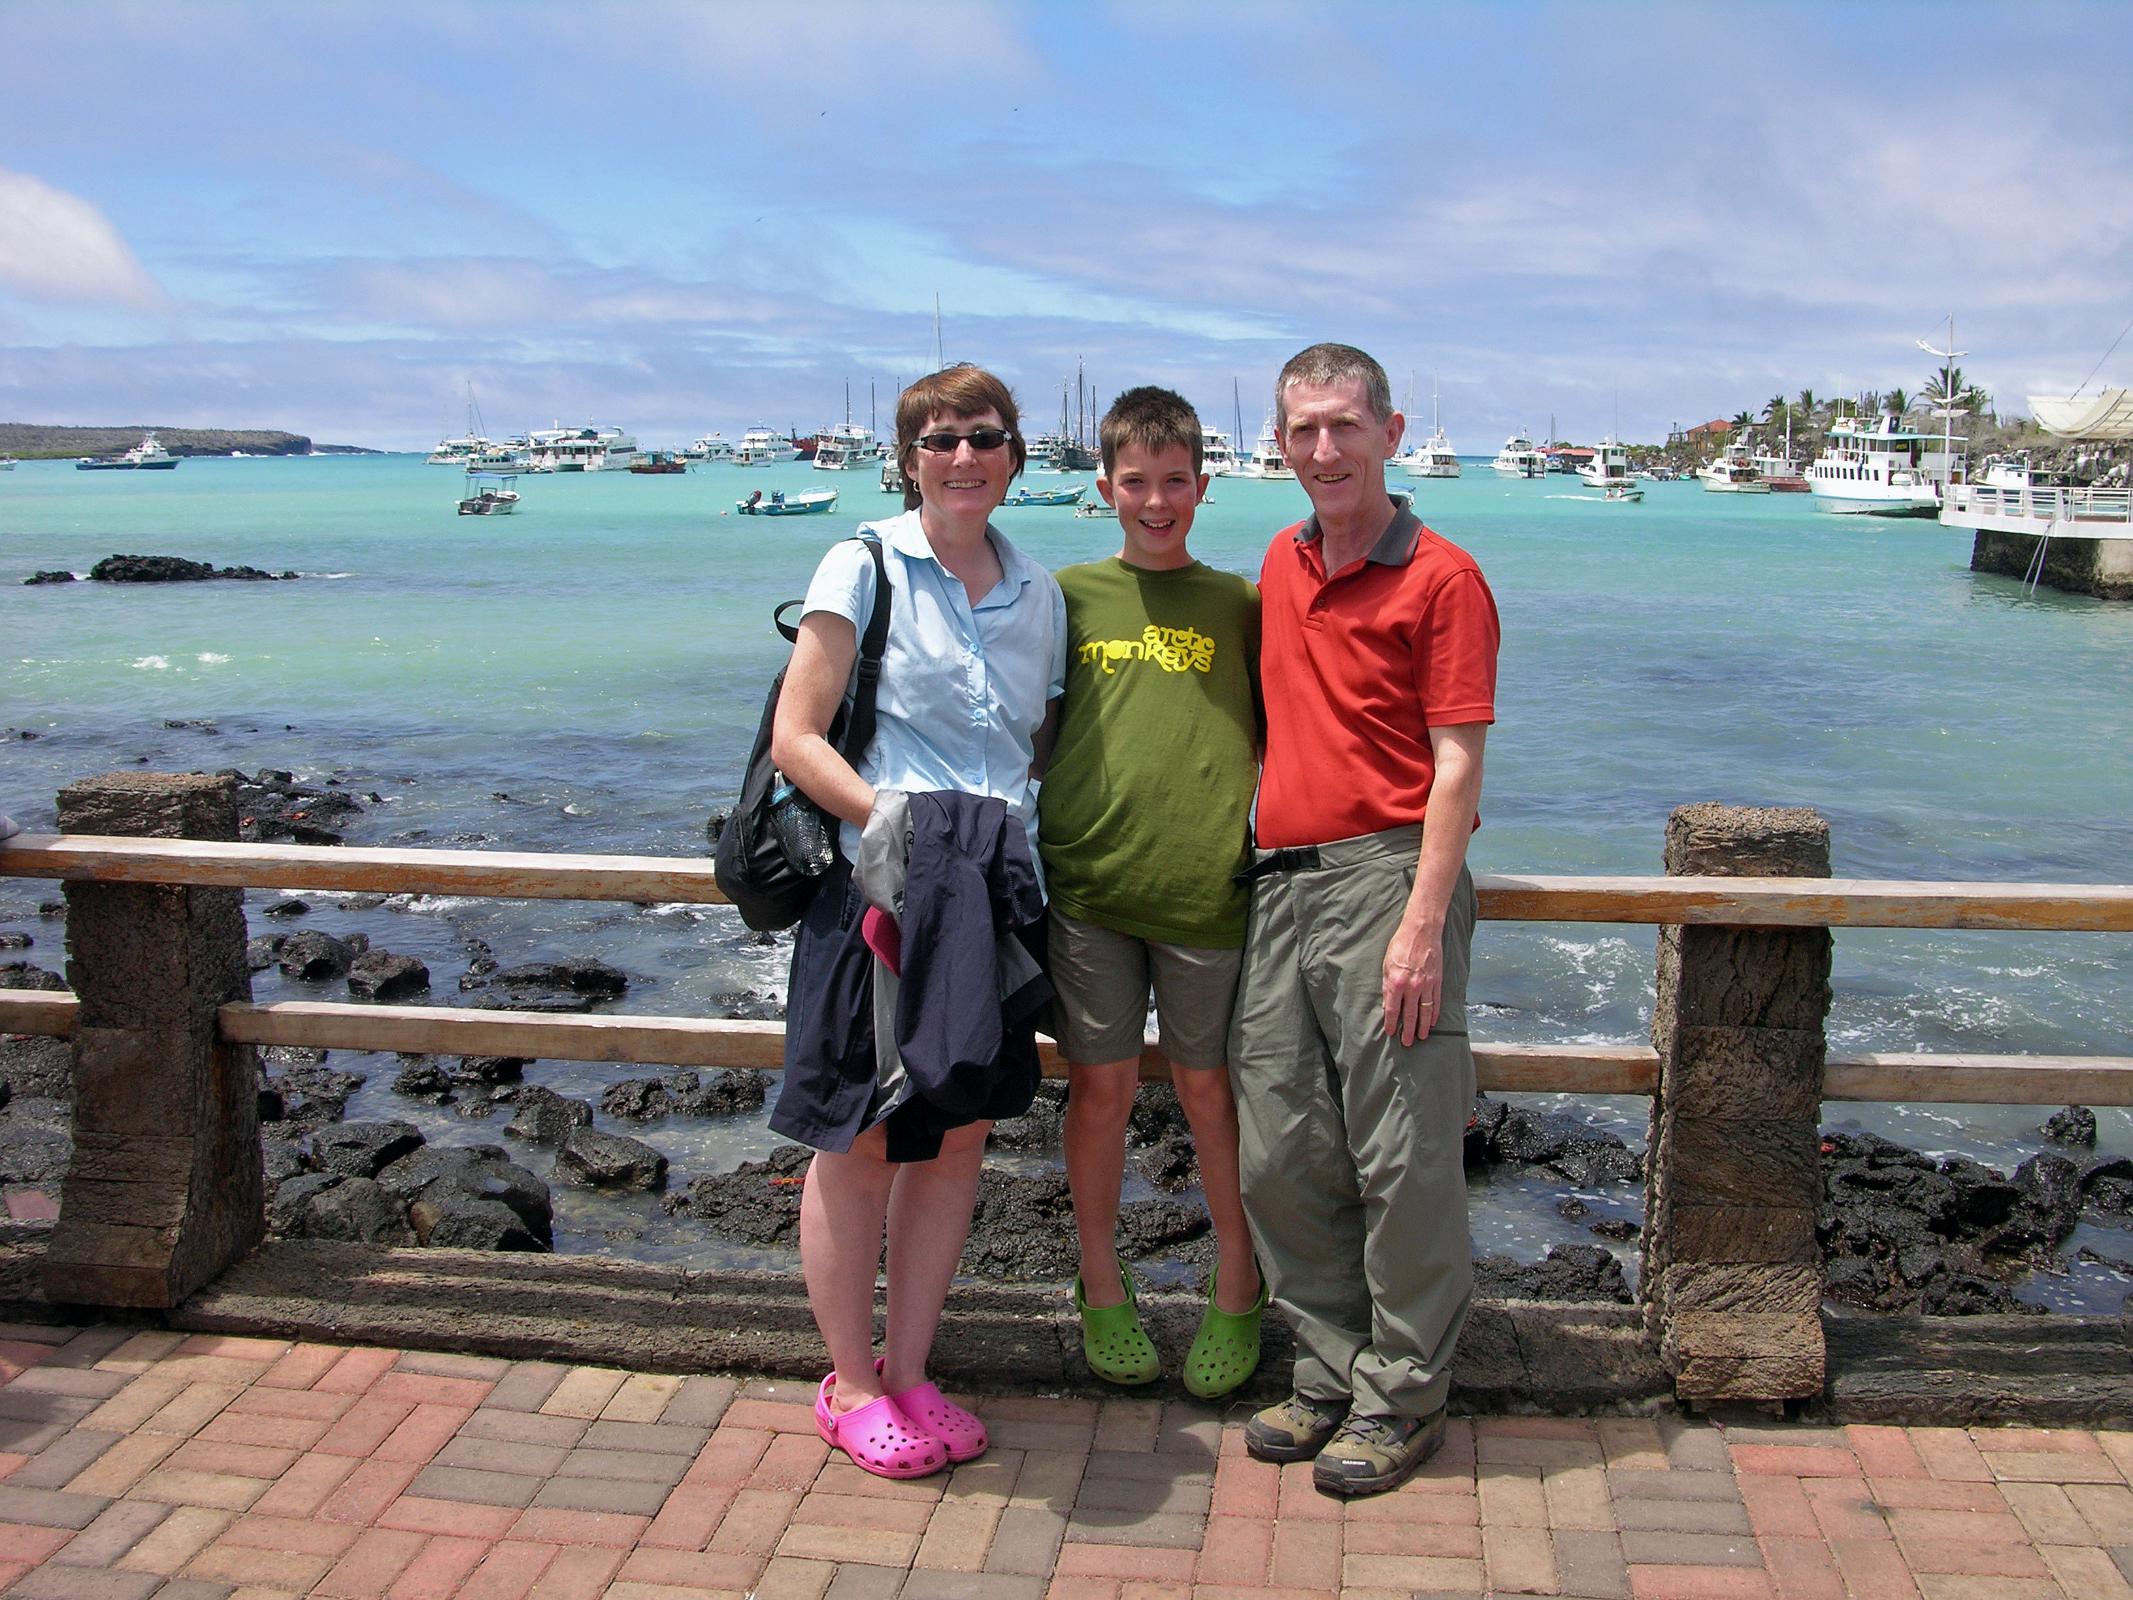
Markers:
point(939, 361)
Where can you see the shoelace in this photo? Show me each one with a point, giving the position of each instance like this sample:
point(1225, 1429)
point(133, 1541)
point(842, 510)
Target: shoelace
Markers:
point(1379, 1430)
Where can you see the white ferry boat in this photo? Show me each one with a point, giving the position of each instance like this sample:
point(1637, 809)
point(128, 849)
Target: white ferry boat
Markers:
point(586, 449)
point(1731, 472)
point(1217, 458)
point(147, 456)
point(1433, 457)
point(710, 447)
point(1609, 466)
point(1881, 469)
point(1519, 458)
point(760, 447)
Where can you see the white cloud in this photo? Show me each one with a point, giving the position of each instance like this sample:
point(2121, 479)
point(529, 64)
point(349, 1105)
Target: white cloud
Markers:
point(57, 246)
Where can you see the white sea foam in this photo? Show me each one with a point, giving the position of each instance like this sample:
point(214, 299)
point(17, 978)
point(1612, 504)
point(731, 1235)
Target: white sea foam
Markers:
point(210, 658)
point(152, 664)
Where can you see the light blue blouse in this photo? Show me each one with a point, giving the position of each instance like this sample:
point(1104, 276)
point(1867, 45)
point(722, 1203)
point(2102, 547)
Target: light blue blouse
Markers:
point(963, 687)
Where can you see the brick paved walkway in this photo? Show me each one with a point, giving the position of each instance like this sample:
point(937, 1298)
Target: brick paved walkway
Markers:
point(135, 1464)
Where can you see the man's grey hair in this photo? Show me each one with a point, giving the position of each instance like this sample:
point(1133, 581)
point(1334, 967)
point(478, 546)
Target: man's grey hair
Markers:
point(1333, 363)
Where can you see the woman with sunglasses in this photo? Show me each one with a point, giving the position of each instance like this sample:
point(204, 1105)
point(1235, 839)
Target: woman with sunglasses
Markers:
point(974, 661)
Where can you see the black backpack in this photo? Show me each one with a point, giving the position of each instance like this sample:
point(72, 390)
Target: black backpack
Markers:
point(750, 865)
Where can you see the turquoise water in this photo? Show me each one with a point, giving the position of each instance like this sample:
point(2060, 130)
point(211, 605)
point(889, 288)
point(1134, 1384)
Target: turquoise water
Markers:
point(585, 675)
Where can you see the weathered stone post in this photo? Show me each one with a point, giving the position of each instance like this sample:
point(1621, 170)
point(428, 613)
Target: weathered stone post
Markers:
point(1732, 1273)
point(166, 1188)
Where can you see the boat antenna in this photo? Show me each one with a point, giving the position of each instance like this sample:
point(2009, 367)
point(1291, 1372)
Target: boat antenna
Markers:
point(939, 361)
point(1435, 423)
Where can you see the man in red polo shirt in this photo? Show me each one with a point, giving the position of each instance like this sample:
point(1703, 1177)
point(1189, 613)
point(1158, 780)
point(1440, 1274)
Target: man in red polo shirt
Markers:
point(1349, 1049)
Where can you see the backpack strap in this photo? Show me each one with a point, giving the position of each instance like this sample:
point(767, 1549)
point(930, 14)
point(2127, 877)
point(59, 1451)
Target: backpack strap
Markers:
point(859, 733)
point(859, 728)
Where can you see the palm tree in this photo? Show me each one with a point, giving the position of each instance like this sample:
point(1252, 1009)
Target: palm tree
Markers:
point(1899, 402)
point(1741, 419)
point(1806, 404)
point(1946, 389)
point(1774, 411)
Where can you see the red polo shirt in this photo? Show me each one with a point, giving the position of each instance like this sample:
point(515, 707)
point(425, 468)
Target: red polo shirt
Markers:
point(1356, 669)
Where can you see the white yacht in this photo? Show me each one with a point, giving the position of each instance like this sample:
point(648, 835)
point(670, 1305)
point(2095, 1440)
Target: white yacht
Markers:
point(1879, 468)
point(760, 447)
point(710, 447)
point(1520, 458)
point(1731, 472)
point(460, 452)
point(1609, 466)
point(586, 449)
point(1217, 458)
point(1433, 457)
point(1267, 460)
point(843, 445)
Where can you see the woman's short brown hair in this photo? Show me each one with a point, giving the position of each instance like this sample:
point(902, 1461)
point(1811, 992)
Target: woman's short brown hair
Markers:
point(962, 390)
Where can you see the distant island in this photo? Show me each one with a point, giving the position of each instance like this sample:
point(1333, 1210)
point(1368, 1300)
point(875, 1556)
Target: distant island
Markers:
point(35, 441)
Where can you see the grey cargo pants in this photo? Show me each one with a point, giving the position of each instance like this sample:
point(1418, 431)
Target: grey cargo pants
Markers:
point(1350, 1142)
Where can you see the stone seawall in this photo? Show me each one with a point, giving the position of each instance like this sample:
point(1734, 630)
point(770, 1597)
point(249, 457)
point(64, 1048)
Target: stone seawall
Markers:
point(2099, 567)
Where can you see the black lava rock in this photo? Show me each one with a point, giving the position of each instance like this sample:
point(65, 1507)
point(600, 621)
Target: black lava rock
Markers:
point(545, 1117)
point(2074, 1125)
point(609, 1161)
point(381, 975)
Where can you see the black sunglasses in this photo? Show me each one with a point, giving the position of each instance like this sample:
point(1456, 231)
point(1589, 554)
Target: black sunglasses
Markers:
point(944, 443)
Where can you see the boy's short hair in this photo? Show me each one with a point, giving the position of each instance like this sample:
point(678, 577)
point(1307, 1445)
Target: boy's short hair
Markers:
point(1155, 419)
point(1329, 364)
point(962, 390)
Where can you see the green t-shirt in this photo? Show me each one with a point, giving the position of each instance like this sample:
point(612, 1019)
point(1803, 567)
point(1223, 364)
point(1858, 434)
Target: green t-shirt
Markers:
point(1143, 815)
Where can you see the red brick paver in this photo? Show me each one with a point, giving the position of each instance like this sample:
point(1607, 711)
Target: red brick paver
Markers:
point(225, 1464)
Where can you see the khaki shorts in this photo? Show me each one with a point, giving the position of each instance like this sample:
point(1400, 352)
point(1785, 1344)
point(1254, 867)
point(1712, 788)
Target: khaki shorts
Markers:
point(1103, 978)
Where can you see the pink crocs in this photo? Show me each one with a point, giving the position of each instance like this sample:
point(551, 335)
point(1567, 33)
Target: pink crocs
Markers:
point(878, 1437)
point(948, 1422)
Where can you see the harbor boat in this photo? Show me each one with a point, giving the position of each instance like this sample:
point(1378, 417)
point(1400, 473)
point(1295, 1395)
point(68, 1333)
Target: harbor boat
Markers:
point(845, 445)
point(1026, 496)
point(586, 449)
point(147, 456)
point(1432, 458)
point(1217, 457)
point(1267, 460)
point(1609, 467)
point(1731, 472)
point(1625, 492)
point(1782, 471)
point(1095, 510)
point(1881, 469)
point(892, 475)
point(490, 497)
point(710, 447)
point(509, 455)
point(7, 463)
point(807, 502)
point(658, 463)
point(459, 452)
point(1519, 458)
point(759, 447)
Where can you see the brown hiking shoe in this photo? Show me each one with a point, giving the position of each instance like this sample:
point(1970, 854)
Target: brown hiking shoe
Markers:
point(1295, 1430)
point(1369, 1455)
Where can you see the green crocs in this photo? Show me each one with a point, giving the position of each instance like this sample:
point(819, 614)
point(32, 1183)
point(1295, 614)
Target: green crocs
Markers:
point(1225, 1351)
point(1112, 1339)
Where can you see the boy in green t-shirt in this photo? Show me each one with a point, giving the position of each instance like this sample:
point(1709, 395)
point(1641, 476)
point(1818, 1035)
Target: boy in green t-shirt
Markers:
point(1142, 823)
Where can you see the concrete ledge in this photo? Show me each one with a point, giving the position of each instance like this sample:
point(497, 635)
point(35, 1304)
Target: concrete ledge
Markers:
point(1526, 1355)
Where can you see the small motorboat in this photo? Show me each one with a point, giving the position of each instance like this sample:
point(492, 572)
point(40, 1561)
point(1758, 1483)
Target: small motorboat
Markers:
point(1026, 496)
point(1095, 509)
point(777, 503)
point(658, 463)
point(1627, 492)
point(490, 497)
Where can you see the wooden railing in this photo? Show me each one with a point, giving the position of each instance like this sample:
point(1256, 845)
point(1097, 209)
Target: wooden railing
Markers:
point(165, 1188)
point(1962, 1078)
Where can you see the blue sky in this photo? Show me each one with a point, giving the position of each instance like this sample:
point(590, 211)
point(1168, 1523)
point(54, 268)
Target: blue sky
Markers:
point(333, 217)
